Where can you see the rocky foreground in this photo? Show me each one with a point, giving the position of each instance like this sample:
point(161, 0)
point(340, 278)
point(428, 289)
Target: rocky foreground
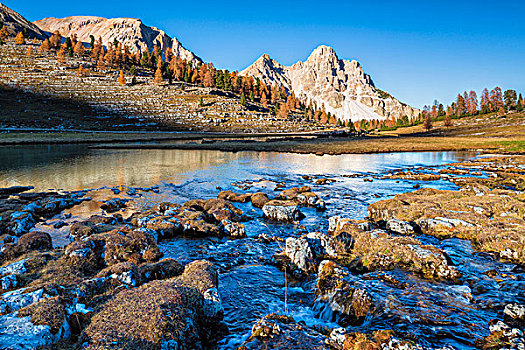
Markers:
point(107, 285)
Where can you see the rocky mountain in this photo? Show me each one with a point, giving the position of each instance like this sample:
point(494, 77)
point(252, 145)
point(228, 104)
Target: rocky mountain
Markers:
point(128, 31)
point(16, 23)
point(340, 85)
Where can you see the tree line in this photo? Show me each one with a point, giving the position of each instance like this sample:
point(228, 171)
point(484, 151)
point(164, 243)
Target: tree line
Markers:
point(468, 104)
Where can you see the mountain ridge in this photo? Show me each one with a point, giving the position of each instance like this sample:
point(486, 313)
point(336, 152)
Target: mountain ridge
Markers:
point(128, 31)
point(15, 23)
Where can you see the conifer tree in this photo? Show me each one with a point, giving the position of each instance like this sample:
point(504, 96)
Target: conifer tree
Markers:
point(283, 111)
point(243, 99)
point(79, 49)
point(448, 121)
point(485, 102)
point(472, 103)
point(510, 99)
point(91, 42)
point(61, 56)
point(201, 102)
point(158, 76)
point(56, 40)
point(4, 33)
point(19, 39)
point(461, 107)
point(428, 123)
point(30, 51)
point(496, 99)
point(133, 71)
point(519, 104)
point(264, 100)
point(208, 79)
point(121, 78)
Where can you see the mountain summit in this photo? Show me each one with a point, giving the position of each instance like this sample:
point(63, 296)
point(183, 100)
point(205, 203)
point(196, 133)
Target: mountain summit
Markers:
point(17, 23)
point(128, 31)
point(340, 86)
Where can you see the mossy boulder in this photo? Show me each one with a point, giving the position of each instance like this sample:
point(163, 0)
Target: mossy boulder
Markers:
point(168, 314)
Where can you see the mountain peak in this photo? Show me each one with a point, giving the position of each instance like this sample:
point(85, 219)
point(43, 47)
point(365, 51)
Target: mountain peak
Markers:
point(323, 52)
point(340, 86)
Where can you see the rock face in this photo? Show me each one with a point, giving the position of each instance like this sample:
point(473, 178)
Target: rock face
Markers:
point(16, 23)
point(340, 85)
point(128, 31)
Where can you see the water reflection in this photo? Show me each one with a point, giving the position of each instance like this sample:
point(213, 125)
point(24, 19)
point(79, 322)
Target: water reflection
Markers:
point(73, 167)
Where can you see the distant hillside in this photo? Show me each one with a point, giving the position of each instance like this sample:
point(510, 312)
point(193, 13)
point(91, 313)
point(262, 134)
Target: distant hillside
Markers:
point(17, 23)
point(128, 31)
point(340, 86)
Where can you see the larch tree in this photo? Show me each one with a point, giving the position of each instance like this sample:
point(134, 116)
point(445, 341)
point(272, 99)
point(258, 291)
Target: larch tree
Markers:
point(30, 51)
point(448, 121)
point(78, 49)
point(56, 40)
point(472, 103)
point(4, 33)
point(61, 55)
point(467, 102)
point(121, 78)
point(485, 101)
point(496, 99)
point(461, 107)
point(158, 76)
point(283, 111)
point(208, 79)
point(428, 123)
point(20, 39)
point(264, 100)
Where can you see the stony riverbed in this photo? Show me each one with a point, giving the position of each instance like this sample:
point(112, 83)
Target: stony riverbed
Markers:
point(279, 260)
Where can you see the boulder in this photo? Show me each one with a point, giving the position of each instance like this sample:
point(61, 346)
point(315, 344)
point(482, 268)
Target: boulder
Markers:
point(400, 227)
point(35, 241)
point(164, 269)
point(178, 313)
point(259, 199)
point(234, 197)
point(282, 211)
point(336, 288)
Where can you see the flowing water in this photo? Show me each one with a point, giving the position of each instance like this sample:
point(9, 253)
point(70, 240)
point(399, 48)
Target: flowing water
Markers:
point(435, 314)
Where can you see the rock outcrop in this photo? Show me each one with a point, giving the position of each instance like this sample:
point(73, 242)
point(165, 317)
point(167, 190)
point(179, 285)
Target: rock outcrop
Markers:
point(128, 31)
point(17, 23)
point(340, 86)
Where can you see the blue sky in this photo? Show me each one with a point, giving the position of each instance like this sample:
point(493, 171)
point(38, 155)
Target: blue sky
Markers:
point(416, 50)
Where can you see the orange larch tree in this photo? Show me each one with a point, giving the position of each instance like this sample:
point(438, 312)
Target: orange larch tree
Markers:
point(472, 103)
point(19, 39)
point(121, 78)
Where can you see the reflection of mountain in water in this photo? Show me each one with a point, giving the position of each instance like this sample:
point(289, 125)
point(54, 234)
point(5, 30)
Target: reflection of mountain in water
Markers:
point(77, 167)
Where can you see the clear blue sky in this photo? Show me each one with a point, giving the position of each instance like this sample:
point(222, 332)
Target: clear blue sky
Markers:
point(416, 50)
